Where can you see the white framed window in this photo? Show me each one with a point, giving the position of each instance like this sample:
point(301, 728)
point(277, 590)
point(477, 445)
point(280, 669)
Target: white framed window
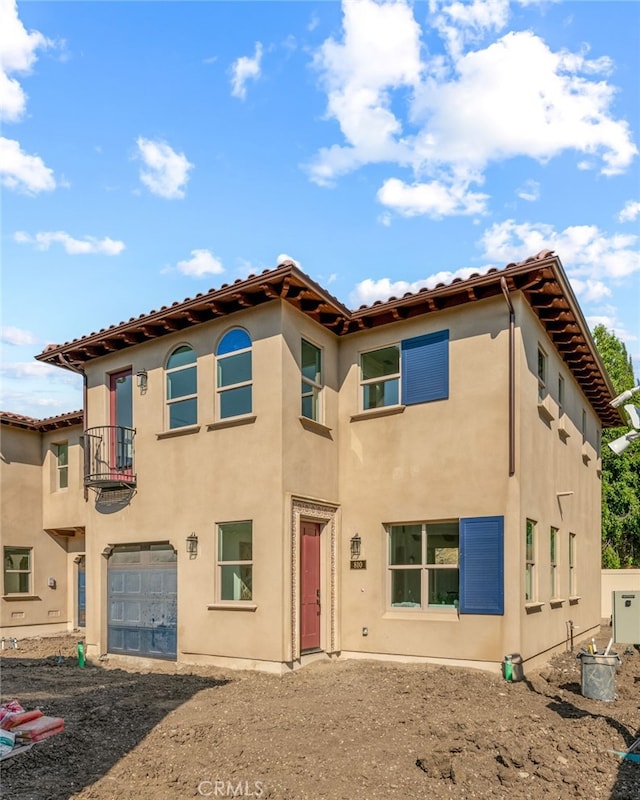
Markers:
point(62, 465)
point(423, 561)
point(182, 387)
point(553, 561)
point(17, 570)
point(380, 377)
point(573, 589)
point(530, 562)
point(234, 374)
point(311, 370)
point(235, 561)
point(542, 374)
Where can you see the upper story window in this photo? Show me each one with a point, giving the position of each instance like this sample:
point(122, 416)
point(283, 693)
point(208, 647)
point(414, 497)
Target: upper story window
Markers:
point(234, 374)
point(414, 371)
point(542, 374)
point(311, 368)
point(17, 570)
point(583, 426)
point(62, 465)
point(380, 377)
point(182, 387)
point(561, 394)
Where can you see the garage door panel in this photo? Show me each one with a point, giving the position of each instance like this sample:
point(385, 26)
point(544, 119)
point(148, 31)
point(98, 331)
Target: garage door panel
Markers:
point(143, 603)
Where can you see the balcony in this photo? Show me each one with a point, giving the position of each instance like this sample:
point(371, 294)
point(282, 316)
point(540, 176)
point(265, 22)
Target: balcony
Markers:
point(109, 457)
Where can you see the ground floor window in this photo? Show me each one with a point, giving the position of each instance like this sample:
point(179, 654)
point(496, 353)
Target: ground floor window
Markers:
point(17, 570)
point(423, 564)
point(530, 562)
point(235, 561)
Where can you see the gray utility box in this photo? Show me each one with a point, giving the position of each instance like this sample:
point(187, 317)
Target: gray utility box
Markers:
point(626, 617)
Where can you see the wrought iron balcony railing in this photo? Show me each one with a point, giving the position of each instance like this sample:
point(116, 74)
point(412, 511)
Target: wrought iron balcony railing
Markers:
point(109, 457)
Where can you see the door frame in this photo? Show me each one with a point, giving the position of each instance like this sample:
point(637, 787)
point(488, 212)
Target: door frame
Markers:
point(327, 516)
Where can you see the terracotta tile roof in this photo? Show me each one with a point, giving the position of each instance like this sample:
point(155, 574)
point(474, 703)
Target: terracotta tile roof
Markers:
point(540, 278)
point(40, 425)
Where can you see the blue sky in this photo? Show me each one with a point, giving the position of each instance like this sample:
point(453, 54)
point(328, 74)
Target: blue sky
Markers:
point(153, 150)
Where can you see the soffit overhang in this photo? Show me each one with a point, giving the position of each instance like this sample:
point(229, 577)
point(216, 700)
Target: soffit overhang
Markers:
point(540, 279)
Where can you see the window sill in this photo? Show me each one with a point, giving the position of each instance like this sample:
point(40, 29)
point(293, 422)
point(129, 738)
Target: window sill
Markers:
point(245, 606)
point(545, 410)
point(530, 608)
point(21, 597)
point(178, 432)
point(575, 599)
point(377, 412)
point(557, 602)
point(233, 422)
point(432, 614)
point(315, 427)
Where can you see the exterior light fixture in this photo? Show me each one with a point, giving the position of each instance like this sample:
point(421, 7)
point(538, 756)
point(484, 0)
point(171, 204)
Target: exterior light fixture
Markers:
point(141, 379)
point(192, 545)
point(355, 546)
point(107, 550)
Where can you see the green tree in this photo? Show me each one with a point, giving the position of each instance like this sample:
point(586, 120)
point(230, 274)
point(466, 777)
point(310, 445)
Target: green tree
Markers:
point(620, 473)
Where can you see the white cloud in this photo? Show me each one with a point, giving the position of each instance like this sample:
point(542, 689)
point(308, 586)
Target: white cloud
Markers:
point(590, 291)
point(434, 199)
point(31, 369)
point(23, 172)
point(17, 54)
point(16, 336)
point(630, 211)
point(87, 246)
point(587, 253)
point(284, 257)
point(444, 116)
point(380, 52)
point(202, 262)
point(368, 291)
point(529, 191)
point(166, 171)
point(244, 69)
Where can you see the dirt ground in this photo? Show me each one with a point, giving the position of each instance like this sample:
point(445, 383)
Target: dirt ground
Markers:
point(347, 729)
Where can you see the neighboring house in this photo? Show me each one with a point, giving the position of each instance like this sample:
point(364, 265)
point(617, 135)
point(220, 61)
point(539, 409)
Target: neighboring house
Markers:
point(275, 478)
point(42, 520)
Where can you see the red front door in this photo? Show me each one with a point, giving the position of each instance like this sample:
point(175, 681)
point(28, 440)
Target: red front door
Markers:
point(310, 586)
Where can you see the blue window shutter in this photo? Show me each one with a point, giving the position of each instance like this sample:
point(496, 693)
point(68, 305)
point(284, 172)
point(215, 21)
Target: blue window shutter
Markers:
point(425, 368)
point(482, 565)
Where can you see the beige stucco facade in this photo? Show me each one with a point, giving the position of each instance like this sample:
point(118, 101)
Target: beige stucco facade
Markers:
point(495, 446)
point(44, 521)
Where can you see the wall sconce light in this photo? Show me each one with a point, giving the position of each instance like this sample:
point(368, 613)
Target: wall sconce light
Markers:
point(355, 546)
point(107, 550)
point(141, 379)
point(192, 545)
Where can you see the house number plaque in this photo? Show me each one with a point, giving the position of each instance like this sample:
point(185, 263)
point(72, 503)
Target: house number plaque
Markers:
point(359, 564)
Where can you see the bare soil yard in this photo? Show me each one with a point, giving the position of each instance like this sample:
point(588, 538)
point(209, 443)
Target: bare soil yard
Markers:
point(349, 729)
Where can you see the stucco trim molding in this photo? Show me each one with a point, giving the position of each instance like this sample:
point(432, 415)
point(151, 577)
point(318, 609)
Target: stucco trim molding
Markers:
point(327, 516)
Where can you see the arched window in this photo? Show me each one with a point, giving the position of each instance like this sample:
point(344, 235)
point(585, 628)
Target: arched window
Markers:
point(234, 374)
point(182, 387)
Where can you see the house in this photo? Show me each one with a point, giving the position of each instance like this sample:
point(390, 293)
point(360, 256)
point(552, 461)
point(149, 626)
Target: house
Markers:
point(42, 518)
point(273, 478)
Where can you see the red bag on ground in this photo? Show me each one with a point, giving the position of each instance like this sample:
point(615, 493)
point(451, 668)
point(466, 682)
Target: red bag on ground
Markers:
point(32, 731)
point(12, 720)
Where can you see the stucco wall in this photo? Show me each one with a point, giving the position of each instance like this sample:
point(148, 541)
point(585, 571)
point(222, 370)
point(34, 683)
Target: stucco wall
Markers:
point(616, 580)
point(560, 486)
point(46, 608)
